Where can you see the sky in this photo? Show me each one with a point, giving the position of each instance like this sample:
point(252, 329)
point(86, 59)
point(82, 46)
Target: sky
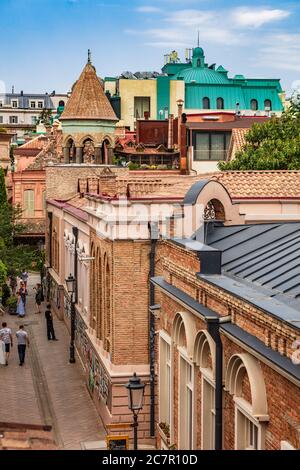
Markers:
point(44, 43)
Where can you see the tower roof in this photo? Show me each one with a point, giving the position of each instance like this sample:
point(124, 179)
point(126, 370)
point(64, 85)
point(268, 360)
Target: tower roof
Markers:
point(88, 100)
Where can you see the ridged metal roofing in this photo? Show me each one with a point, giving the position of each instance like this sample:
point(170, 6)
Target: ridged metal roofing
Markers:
point(202, 76)
point(267, 255)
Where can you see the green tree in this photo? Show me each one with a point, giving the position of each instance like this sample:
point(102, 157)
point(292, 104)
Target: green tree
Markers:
point(273, 145)
point(13, 257)
point(3, 195)
point(45, 117)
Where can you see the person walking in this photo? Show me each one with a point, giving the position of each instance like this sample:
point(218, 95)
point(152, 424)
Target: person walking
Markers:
point(38, 297)
point(21, 300)
point(6, 337)
point(50, 328)
point(24, 277)
point(23, 341)
point(13, 283)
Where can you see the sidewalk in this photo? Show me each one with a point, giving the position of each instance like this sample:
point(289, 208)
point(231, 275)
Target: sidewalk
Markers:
point(47, 389)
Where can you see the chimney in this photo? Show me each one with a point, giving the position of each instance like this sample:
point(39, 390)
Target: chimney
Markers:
point(170, 131)
point(13, 89)
point(180, 106)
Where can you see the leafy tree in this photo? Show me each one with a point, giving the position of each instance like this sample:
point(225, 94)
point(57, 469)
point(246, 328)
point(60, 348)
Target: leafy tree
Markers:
point(12, 257)
point(273, 145)
point(3, 195)
point(45, 117)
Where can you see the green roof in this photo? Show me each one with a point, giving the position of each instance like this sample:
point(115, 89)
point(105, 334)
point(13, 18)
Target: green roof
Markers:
point(201, 76)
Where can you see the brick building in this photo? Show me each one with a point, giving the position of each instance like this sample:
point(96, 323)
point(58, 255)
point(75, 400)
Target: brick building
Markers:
point(228, 322)
point(92, 210)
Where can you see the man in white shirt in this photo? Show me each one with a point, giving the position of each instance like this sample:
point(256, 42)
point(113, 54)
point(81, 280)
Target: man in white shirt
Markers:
point(23, 341)
point(6, 337)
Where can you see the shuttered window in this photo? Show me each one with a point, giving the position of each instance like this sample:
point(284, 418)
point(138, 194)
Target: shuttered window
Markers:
point(29, 203)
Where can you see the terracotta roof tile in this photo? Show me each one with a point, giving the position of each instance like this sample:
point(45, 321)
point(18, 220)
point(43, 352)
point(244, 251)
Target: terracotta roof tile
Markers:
point(88, 100)
point(261, 184)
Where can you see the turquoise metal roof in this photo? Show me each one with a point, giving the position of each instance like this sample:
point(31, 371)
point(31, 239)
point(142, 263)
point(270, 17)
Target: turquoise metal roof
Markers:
point(202, 76)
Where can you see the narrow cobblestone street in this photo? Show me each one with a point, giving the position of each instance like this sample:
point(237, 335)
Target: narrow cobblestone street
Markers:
point(47, 389)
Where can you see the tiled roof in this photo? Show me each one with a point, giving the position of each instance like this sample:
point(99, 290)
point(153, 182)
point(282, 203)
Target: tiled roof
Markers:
point(36, 143)
point(88, 100)
point(26, 437)
point(237, 142)
point(261, 184)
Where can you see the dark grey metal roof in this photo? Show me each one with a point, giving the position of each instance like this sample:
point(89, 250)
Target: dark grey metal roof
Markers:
point(266, 255)
point(203, 311)
point(281, 362)
point(24, 100)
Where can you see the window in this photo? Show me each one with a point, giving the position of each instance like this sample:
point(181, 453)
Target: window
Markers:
point(1, 104)
point(13, 119)
point(32, 104)
point(14, 104)
point(247, 432)
point(40, 104)
point(254, 105)
point(141, 106)
point(211, 145)
point(1, 119)
point(33, 119)
point(61, 104)
point(205, 103)
point(220, 103)
point(186, 405)
point(268, 105)
point(165, 381)
point(208, 415)
point(29, 203)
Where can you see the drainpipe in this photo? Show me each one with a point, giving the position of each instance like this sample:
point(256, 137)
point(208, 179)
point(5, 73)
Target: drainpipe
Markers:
point(213, 329)
point(153, 230)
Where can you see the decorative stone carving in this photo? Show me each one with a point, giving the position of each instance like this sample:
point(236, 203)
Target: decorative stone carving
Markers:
point(89, 152)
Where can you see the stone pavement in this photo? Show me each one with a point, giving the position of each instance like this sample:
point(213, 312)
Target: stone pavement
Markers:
point(47, 389)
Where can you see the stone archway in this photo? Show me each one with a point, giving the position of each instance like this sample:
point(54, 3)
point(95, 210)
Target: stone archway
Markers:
point(107, 151)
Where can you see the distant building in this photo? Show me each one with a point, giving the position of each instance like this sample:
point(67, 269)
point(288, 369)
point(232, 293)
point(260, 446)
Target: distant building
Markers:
point(199, 85)
point(19, 112)
point(88, 121)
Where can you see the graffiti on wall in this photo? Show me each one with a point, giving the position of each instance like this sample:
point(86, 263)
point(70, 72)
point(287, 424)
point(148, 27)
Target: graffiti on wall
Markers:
point(98, 380)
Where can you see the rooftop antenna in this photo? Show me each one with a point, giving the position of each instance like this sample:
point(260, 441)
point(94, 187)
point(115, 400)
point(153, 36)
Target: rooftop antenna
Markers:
point(89, 56)
point(198, 38)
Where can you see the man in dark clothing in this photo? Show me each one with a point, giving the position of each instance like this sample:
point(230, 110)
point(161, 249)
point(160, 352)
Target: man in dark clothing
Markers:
point(50, 328)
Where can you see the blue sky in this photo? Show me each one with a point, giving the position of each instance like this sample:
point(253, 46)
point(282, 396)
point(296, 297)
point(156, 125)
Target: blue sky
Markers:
point(44, 42)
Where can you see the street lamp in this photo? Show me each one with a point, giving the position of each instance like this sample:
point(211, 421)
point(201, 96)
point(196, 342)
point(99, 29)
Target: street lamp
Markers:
point(136, 390)
point(71, 288)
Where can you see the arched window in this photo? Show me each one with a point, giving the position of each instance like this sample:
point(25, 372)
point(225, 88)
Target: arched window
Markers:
point(198, 62)
point(254, 105)
point(205, 103)
point(61, 104)
point(268, 105)
point(220, 103)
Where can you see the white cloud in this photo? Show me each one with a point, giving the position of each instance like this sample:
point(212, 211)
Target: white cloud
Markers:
point(281, 51)
point(148, 9)
point(190, 17)
point(256, 17)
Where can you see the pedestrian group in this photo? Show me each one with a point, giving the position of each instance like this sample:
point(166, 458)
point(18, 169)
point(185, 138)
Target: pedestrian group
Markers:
point(22, 337)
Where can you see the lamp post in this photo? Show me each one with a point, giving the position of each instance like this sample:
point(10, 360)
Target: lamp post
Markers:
point(71, 288)
point(136, 390)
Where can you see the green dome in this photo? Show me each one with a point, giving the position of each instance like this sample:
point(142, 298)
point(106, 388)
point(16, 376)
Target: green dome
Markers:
point(198, 52)
point(202, 76)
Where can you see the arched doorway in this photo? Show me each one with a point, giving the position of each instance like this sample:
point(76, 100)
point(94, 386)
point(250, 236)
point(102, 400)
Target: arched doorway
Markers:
point(106, 152)
point(70, 151)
